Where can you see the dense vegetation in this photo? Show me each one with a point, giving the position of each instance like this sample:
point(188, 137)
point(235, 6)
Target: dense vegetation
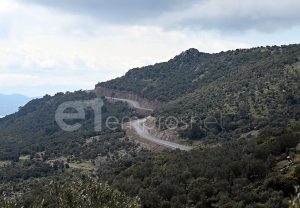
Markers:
point(32, 146)
point(163, 81)
point(34, 129)
point(250, 95)
point(192, 70)
point(236, 174)
point(76, 193)
point(246, 90)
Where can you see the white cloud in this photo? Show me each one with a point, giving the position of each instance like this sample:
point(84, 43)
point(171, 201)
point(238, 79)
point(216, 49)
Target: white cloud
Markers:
point(41, 46)
point(7, 6)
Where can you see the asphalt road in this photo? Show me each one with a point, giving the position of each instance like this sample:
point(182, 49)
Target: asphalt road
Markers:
point(143, 132)
point(135, 104)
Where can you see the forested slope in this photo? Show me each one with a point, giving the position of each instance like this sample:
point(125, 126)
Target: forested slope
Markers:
point(193, 70)
point(247, 88)
point(34, 129)
point(241, 173)
point(33, 148)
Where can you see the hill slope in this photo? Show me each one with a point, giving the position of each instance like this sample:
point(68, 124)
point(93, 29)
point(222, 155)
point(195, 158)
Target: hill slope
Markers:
point(239, 91)
point(250, 88)
point(243, 90)
point(34, 129)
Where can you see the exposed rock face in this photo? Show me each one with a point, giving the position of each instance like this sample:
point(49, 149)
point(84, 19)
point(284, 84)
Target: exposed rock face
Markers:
point(100, 91)
point(164, 135)
point(167, 135)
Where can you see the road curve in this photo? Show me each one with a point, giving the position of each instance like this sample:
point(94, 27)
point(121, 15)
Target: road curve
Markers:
point(135, 104)
point(143, 132)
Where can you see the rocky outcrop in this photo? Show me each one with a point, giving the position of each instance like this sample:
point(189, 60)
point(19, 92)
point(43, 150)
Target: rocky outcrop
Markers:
point(100, 91)
point(167, 135)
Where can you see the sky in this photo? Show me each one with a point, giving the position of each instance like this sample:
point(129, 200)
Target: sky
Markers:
point(65, 45)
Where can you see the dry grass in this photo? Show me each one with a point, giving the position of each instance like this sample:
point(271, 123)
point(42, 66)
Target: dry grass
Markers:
point(4, 163)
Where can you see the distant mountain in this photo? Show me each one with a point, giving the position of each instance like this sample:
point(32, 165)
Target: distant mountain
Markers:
point(10, 103)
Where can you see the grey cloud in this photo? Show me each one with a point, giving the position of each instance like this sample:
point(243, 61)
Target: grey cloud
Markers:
point(233, 16)
point(117, 11)
point(236, 24)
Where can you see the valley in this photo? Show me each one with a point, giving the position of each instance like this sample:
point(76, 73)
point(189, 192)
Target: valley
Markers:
point(209, 130)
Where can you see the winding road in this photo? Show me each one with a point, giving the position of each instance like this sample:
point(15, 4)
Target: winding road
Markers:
point(135, 104)
point(142, 131)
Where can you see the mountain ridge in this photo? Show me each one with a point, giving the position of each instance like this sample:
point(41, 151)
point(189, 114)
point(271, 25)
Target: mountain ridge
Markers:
point(239, 84)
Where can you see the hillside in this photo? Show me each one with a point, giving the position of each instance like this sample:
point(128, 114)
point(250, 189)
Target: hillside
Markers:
point(236, 174)
point(245, 102)
point(239, 109)
point(34, 129)
point(163, 81)
point(193, 70)
point(33, 146)
point(247, 88)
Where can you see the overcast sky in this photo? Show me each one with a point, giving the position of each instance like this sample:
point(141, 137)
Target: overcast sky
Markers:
point(66, 45)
